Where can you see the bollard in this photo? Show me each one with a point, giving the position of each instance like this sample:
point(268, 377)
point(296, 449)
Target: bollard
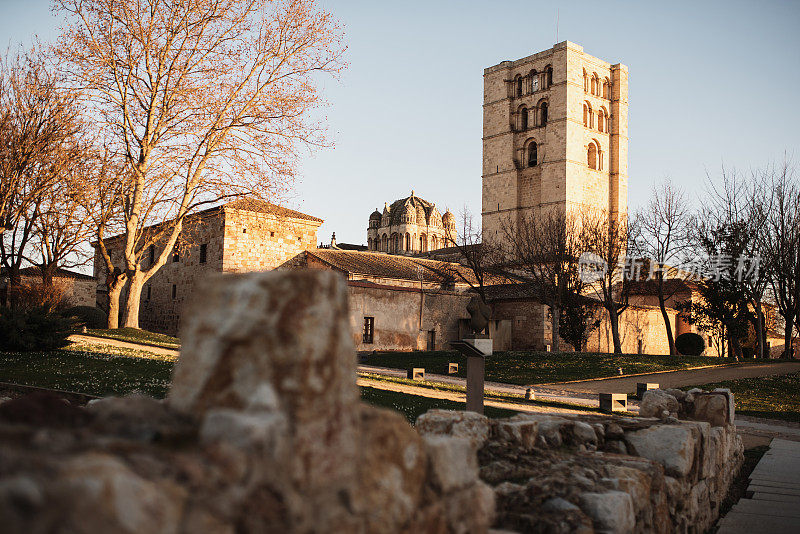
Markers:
point(529, 394)
point(641, 387)
point(416, 373)
point(613, 402)
point(452, 368)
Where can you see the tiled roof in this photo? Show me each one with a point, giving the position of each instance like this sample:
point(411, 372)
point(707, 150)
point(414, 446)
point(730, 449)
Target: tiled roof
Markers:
point(60, 273)
point(394, 267)
point(259, 206)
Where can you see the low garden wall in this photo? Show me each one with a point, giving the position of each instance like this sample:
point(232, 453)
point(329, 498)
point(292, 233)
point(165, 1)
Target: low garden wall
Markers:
point(263, 431)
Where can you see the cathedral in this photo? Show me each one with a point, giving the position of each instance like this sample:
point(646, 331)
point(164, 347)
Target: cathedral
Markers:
point(410, 225)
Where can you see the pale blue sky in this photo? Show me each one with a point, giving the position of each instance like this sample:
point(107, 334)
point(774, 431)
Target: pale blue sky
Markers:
point(710, 82)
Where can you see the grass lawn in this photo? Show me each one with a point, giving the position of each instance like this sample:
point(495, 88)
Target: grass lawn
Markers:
point(91, 369)
point(133, 335)
point(412, 406)
point(774, 397)
point(542, 367)
point(102, 370)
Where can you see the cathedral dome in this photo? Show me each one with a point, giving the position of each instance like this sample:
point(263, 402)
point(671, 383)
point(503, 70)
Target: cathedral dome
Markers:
point(376, 215)
point(448, 218)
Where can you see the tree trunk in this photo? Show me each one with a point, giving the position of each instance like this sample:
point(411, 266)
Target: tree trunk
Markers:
point(787, 339)
point(556, 337)
point(673, 351)
point(614, 320)
point(133, 299)
point(114, 293)
point(760, 348)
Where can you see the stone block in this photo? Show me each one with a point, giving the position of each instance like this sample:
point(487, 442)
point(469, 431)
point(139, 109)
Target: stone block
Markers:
point(452, 368)
point(523, 434)
point(470, 425)
point(416, 373)
point(658, 403)
point(613, 402)
point(279, 342)
point(671, 446)
point(641, 387)
point(611, 511)
point(453, 463)
point(711, 407)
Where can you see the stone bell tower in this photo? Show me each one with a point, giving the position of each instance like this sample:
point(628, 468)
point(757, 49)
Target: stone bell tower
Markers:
point(555, 135)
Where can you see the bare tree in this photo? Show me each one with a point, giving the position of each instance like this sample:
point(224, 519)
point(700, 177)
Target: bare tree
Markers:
point(207, 100)
point(662, 233)
point(38, 126)
point(607, 237)
point(480, 257)
point(543, 250)
point(782, 248)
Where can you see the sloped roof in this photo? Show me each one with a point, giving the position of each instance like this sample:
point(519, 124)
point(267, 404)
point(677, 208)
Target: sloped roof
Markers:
point(396, 267)
point(60, 273)
point(260, 206)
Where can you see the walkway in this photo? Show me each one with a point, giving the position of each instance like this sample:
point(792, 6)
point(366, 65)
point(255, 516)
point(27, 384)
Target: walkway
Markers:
point(774, 494)
point(96, 340)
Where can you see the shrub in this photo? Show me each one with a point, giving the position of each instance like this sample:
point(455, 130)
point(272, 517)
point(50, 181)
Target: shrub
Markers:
point(30, 294)
point(87, 316)
point(33, 329)
point(690, 344)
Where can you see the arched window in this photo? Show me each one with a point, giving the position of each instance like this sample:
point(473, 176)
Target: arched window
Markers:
point(588, 119)
point(606, 88)
point(408, 241)
point(523, 118)
point(548, 76)
point(434, 243)
point(585, 81)
point(534, 77)
point(595, 84)
point(542, 113)
point(591, 156)
point(601, 120)
point(423, 243)
point(369, 243)
point(384, 243)
point(532, 154)
point(518, 82)
point(395, 243)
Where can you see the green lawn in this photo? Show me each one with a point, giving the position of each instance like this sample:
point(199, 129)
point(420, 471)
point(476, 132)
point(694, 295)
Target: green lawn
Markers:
point(412, 406)
point(133, 335)
point(102, 370)
point(542, 367)
point(774, 397)
point(82, 369)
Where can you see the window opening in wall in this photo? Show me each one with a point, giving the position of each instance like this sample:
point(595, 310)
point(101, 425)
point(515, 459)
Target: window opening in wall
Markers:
point(369, 329)
point(272, 234)
point(244, 230)
point(203, 252)
point(174, 291)
point(532, 155)
point(431, 339)
point(544, 113)
point(524, 118)
point(152, 254)
point(176, 256)
point(148, 293)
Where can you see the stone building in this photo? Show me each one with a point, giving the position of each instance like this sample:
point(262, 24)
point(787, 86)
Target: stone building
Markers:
point(410, 225)
point(555, 135)
point(78, 289)
point(240, 236)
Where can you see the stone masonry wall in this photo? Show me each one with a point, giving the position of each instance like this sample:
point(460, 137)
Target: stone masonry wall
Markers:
point(586, 474)
point(263, 431)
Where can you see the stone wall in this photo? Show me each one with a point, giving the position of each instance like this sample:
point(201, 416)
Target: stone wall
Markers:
point(263, 431)
point(404, 316)
point(605, 474)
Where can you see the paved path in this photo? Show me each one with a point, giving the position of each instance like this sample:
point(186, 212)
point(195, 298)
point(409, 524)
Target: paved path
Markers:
point(95, 340)
point(774, 494)
point(583, 398)
point(461, 397)
point(686, 377)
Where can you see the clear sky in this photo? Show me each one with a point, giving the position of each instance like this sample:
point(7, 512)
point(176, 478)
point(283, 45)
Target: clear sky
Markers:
point(710, 83)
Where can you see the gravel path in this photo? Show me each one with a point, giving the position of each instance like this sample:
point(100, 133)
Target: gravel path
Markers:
point(96, 340)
